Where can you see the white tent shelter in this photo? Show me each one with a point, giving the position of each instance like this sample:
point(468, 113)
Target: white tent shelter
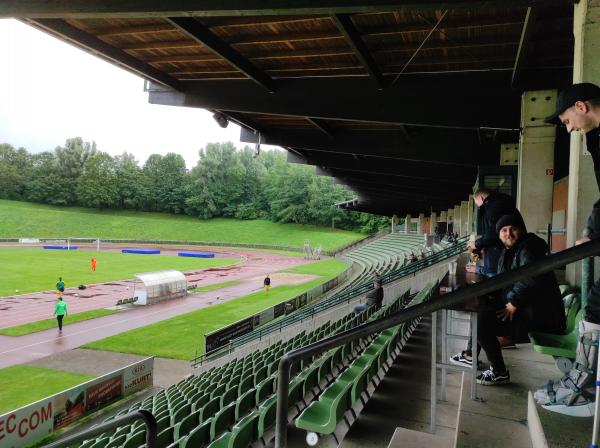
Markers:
point(152, 287)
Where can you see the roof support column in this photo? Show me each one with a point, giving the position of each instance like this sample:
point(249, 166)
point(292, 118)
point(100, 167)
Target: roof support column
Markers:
point(582, 185)
point(464, 215)
point(536, 159)
point(470, 215)
point(394, 221)
point(421, 230)
point(433, 220)
point(444, 219)
point(456, 219)
point(407, 223)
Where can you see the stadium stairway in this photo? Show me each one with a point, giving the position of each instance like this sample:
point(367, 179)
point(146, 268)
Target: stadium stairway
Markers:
point(234, 405)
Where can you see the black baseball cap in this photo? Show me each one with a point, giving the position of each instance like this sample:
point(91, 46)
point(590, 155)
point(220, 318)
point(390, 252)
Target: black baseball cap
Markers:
point(577, 92)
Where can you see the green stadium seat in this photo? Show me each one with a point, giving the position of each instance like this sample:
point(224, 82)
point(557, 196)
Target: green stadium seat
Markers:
point(260, 375)
point(222, 420)
point(310, 379)
point(295, 391)
point(166, 436)
point(564, 289)
point(267, 413)
point(559, 346)
point(116, 442)
point(136, 439)
point(246, 384)
point(242, 435)
point(245, 403)
point(186, 424)
point(178, 414)
point(210, 408)
point(572, 303)
point(100, 443)
point(265, 388)
point(229, 396)
point(218, 391)
point(123, 430)
point(199, 436)
point(322, 416)
point(197, 403)
point(163, 423)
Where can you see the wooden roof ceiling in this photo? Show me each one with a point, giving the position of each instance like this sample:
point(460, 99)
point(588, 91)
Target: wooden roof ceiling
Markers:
point(291, 73)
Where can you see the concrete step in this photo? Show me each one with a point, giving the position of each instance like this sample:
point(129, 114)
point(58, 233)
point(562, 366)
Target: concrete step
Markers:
point(536, 431)
point(408, 438)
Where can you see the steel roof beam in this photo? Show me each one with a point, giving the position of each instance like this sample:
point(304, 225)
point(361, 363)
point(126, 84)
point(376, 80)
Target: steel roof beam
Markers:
point(73, 35)
point(459, 99)
point(524, 44)
point(216, 8)
point(450, 147)
point(202, 34)
point(354, 40)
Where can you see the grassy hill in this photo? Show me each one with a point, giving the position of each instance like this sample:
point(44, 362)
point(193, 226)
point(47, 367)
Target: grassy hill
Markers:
point(24, 219)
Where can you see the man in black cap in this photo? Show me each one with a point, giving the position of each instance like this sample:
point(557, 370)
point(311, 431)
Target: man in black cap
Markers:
point(578, 109)
point(528, 305)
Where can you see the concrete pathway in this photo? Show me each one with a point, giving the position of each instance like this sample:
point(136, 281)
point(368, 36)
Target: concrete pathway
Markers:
point(18, 350)
point(98, 362)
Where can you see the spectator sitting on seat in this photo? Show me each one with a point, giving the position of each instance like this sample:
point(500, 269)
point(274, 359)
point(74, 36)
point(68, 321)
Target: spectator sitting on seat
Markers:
point(533, 304)
point(374, 298)
point(413, 257)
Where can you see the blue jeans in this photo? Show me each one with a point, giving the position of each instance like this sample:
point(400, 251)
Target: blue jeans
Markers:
point(360, 308)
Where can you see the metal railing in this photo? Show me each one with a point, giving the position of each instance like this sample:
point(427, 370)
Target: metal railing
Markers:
point(486, 286)
point(345, 296)
point(142, 414)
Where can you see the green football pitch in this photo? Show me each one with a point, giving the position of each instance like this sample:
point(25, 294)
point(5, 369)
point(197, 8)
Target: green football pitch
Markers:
point(31, 270)
point(181, 337)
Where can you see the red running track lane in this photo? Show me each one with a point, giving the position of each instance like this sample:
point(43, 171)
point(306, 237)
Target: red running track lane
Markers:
point(22, 309)
point(19, 350)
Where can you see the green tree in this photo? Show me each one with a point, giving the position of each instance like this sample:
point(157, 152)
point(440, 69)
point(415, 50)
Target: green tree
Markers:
point(98, 184)
point(15, 168)
point(167, 177)
point(70, 160)
point(133, 186)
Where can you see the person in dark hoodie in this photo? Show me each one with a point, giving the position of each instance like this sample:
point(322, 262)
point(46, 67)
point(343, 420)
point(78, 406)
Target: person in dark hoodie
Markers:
point(533, 304)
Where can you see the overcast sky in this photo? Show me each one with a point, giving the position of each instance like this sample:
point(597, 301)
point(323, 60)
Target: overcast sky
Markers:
point(51, 91)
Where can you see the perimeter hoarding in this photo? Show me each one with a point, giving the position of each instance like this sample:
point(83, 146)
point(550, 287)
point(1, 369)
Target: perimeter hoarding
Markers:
point(221, 337)
point(30, 423)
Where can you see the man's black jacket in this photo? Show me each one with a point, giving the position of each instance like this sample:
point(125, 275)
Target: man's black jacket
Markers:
point(538, 296)
point(494, 207)
point(375, 297)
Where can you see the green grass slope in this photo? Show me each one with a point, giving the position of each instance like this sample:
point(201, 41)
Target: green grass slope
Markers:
point(23, 384)
point(181, 337)
point(23, 219)
point(31, 270)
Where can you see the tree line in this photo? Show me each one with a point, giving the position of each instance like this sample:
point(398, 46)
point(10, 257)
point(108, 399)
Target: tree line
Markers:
point(226, 182)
